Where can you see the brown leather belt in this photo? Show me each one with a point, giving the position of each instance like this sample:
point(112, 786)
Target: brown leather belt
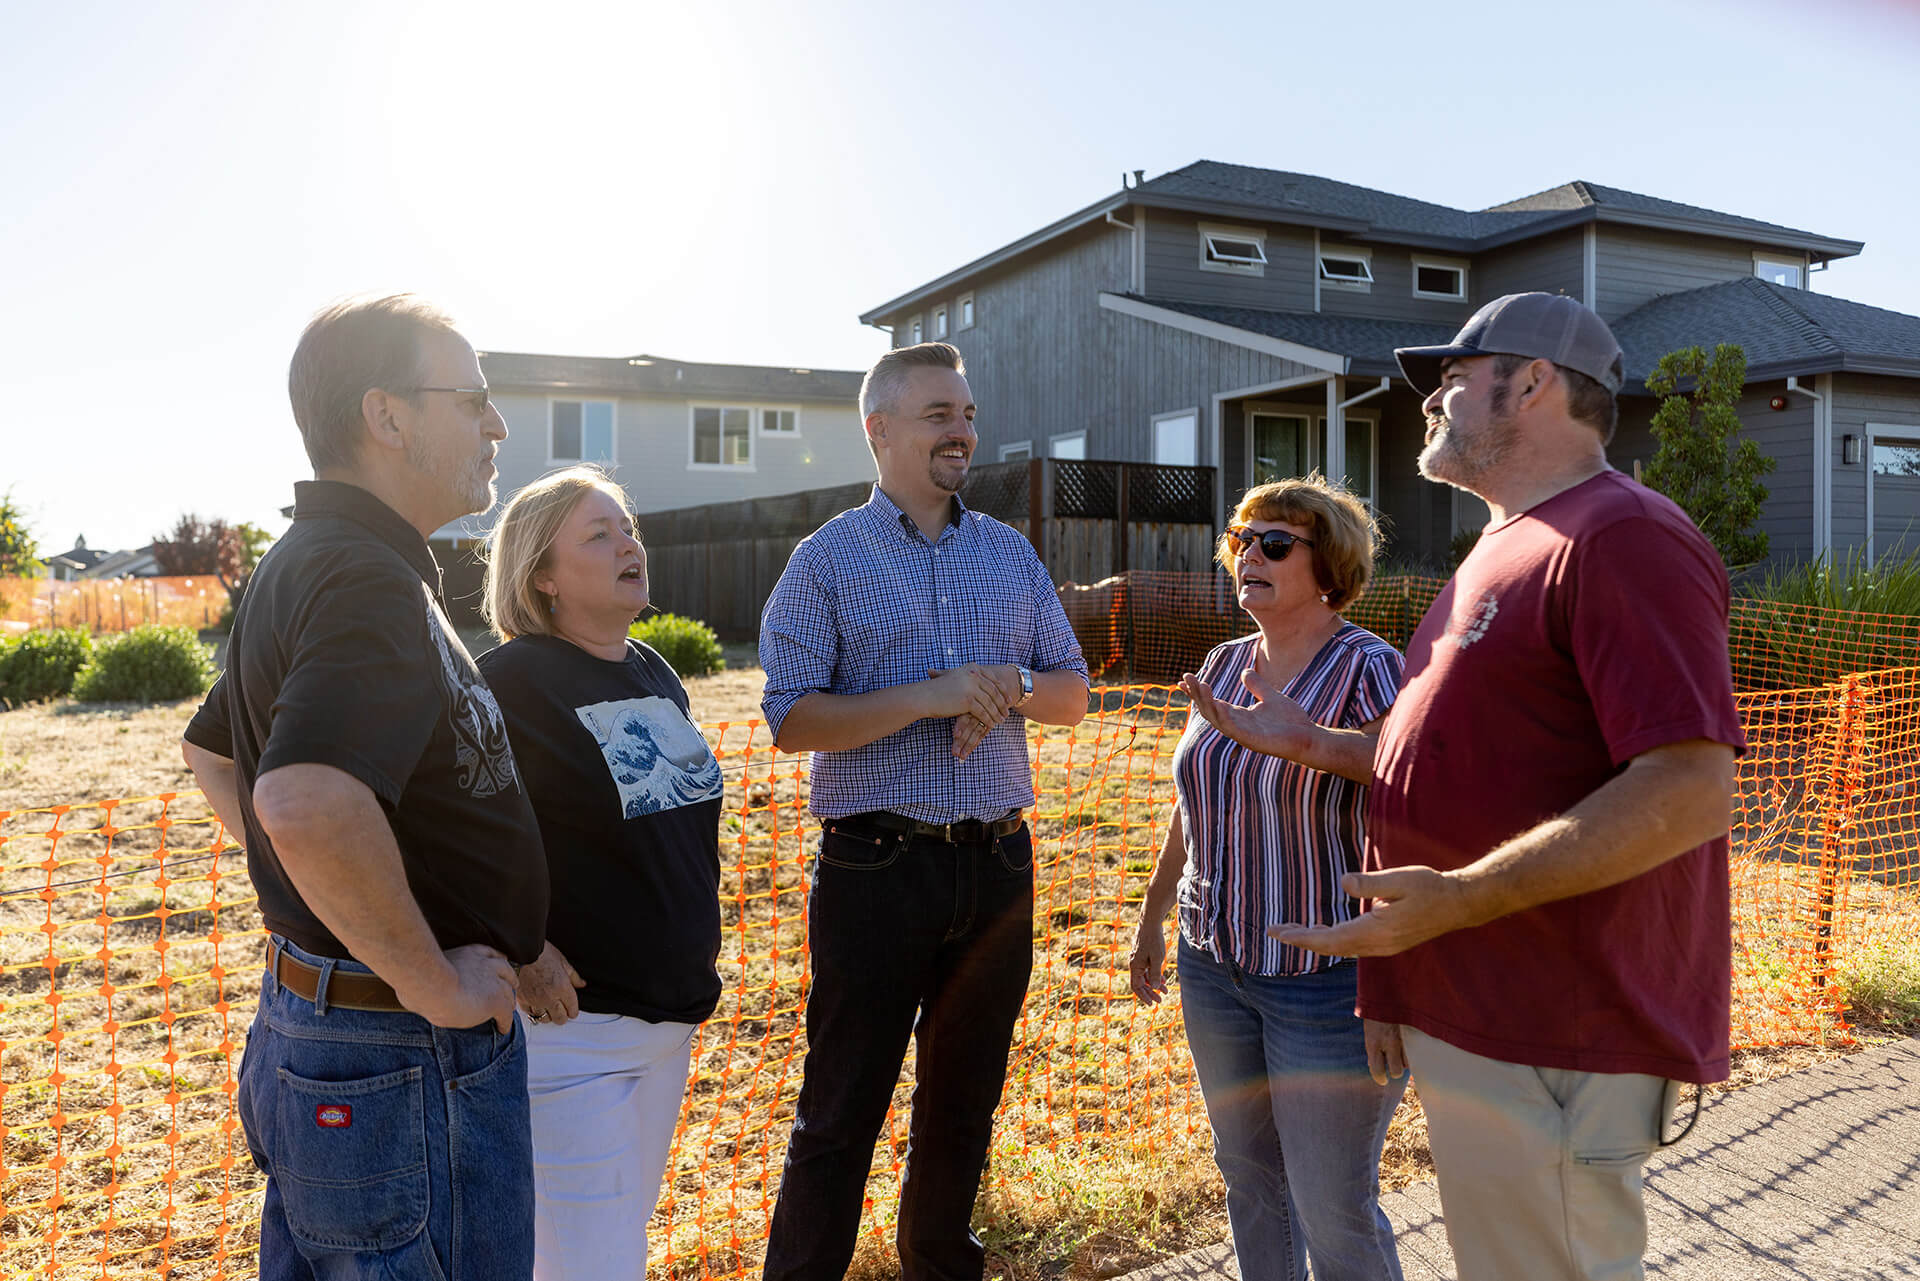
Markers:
point(966, 831)
point(348, 989)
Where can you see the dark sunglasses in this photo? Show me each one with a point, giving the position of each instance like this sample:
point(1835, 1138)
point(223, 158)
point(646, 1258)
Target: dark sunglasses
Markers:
point(1274, 543)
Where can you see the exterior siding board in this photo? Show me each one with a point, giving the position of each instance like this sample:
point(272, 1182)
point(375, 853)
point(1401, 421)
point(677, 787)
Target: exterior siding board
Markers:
point(1859, 399)
point(1633, 265)
point(1044, 359)
point(1173, 267)
point(1552, 264)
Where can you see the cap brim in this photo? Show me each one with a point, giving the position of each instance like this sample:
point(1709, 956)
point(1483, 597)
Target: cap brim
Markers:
point(1422, 365)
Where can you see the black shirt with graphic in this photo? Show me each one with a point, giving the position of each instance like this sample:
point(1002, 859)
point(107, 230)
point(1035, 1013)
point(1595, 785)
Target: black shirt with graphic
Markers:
point(628, 797)
point(341, 655)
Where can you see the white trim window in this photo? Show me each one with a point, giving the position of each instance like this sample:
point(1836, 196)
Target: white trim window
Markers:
point(1788, 273)
point(1018, 452)
point(1239, 250)
point(916, 332)
point(1441, 278)
point(778, 421)
point(580, 431)
point(940, 322)
point(1071, 445)
point(1176, 438)
point(966, 311)
point(720, 436)
point(1346, 267)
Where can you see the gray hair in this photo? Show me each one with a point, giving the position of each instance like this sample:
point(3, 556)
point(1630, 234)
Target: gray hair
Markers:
point(881, 389)
point(351, 347)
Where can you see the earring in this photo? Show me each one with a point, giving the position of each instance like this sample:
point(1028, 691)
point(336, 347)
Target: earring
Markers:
point(1323, 597)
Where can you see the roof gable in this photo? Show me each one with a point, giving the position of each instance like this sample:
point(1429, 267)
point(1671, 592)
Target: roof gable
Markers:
point(1782, 331)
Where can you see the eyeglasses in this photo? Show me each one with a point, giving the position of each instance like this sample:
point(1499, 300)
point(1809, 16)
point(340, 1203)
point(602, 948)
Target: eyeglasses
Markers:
point(1274, 543)
point(481, 392)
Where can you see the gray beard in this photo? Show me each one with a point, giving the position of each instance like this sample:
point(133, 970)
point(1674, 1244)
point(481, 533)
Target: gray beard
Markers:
point(1451, 460)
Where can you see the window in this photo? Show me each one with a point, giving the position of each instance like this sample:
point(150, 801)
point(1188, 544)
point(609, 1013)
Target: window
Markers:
point(1896, 458)
point(580, 431)
point(1176, 439)
point(915, 333)
point(966, 311)
point(1286, 445)
point(1279, 444)
point(779, 422)
point(722, 436)
point(1438, 278)
point(1018, 452)
point(939, 322)
point(1340, 265)
point(1073, 445)
point(1241, 250)
point(1779, 271)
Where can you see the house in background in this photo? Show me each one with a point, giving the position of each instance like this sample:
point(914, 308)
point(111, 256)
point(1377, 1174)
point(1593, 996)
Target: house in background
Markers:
point(674, 433)
point(1246, 318)
point(81, 561)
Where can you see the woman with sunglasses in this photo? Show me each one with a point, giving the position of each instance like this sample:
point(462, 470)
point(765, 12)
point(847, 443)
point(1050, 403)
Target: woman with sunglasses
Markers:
point(1257, 839)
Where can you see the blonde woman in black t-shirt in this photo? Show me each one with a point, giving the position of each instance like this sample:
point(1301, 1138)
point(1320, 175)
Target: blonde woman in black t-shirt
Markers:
point(627, 794)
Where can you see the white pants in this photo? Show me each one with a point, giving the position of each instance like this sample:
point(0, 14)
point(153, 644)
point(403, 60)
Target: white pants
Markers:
point(606, 1093)
point(1539, 1167)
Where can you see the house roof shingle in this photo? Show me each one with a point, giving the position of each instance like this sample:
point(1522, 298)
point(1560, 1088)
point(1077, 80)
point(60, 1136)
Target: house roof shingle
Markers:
point(1368, 344)
point(665, 376)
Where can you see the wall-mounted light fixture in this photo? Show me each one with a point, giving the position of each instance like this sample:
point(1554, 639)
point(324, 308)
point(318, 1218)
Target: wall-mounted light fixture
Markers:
point(1849, 449)
point(1777, 403)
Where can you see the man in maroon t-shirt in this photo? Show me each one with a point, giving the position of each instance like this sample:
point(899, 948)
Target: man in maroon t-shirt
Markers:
point(1549, 944)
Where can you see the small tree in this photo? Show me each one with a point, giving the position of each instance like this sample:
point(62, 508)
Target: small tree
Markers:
point(19, 550)
point(212, 548)
point(1702, 464)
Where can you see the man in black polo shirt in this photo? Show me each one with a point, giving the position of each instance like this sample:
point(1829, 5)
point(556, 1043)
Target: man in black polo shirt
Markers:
point(396, 857)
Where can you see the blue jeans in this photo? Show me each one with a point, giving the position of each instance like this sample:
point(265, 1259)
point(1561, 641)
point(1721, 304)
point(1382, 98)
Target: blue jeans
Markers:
point(916, 938)
point(1298, 1124)
point(393, 1149)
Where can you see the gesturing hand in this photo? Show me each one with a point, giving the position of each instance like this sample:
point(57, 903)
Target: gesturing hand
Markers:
point(1274, 724)
point(547, 988)
point(1410, 906)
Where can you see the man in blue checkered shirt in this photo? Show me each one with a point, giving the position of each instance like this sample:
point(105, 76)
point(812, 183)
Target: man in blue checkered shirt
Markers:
point(904, 646)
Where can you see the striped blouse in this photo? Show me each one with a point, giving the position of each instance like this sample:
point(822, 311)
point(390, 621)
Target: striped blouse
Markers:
point(1267, 839)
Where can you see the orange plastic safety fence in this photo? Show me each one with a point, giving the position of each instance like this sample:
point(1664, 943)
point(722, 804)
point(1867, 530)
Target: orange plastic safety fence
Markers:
point(1154, 625)
point(129, 950)
point(109, 604)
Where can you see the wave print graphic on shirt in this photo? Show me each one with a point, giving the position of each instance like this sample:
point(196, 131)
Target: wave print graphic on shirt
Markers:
point(658, 760)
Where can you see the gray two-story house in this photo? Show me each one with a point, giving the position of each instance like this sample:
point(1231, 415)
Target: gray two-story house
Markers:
point(1246, 319)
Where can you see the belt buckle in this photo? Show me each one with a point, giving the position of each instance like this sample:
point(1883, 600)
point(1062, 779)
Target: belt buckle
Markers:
point(946, 831)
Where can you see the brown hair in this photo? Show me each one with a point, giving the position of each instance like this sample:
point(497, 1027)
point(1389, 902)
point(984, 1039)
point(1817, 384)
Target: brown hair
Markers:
point(517, 547)
point(884, 383)
point(351, 347)
point(1342, 531)
point(1587, 401)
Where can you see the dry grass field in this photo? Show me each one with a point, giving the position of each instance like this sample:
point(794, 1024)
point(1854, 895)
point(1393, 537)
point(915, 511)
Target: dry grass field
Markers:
point(123, 1002)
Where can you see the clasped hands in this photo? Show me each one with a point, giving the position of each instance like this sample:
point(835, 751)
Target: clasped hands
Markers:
point(977, 696)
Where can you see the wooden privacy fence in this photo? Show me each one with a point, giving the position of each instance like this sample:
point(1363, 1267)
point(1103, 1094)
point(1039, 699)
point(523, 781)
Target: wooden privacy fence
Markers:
point(1094, 518)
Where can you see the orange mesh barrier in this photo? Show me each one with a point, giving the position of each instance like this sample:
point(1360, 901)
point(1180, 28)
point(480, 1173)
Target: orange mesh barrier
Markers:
point(130, 948)
point(109, 604)
point(1153, 625)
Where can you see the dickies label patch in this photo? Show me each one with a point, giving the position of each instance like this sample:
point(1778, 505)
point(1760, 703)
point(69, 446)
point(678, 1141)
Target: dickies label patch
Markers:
point(333, 1116)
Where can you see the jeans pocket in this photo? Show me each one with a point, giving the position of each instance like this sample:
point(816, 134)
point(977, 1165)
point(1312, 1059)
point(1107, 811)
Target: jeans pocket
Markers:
point(351, 1159)
point(1614, 1160)
point(859, 852)
point(1015, 850)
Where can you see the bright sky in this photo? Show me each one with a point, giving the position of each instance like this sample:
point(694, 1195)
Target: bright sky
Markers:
point(181, 186)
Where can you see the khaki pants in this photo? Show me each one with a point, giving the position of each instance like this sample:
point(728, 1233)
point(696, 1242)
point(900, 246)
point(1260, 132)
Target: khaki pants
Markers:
point(1539, 1167)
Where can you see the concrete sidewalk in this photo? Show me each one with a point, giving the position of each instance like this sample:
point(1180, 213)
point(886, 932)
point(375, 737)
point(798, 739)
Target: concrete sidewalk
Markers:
point(1815, 1176)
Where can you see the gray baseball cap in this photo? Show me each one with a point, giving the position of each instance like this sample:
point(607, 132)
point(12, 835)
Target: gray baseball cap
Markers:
point(1538, 326)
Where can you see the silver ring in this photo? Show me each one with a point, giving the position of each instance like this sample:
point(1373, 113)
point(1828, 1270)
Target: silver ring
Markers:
point(539, 1016)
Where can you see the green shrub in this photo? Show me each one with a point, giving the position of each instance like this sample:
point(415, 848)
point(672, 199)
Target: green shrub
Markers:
point(1794, 648)
point(1880, 983)
point(42, 664)
point(689, 645)
point(149, 664)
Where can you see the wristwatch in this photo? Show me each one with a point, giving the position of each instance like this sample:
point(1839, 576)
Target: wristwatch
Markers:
point(1026, 685)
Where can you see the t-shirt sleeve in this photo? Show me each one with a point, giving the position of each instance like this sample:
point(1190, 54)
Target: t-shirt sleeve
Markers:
point(799, 640)
point(210, 729)
point(1055, 647)
point(1378, 684)
point(362, 691)
point(1648, 626)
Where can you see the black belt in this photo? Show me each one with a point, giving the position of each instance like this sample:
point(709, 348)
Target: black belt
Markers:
point(966, 831)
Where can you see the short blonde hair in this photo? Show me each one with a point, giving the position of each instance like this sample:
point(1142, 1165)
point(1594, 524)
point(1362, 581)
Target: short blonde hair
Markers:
point(1342, 531)
point(518, 544)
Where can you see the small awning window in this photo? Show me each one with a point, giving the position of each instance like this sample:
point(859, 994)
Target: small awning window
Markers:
point(1235, 249)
